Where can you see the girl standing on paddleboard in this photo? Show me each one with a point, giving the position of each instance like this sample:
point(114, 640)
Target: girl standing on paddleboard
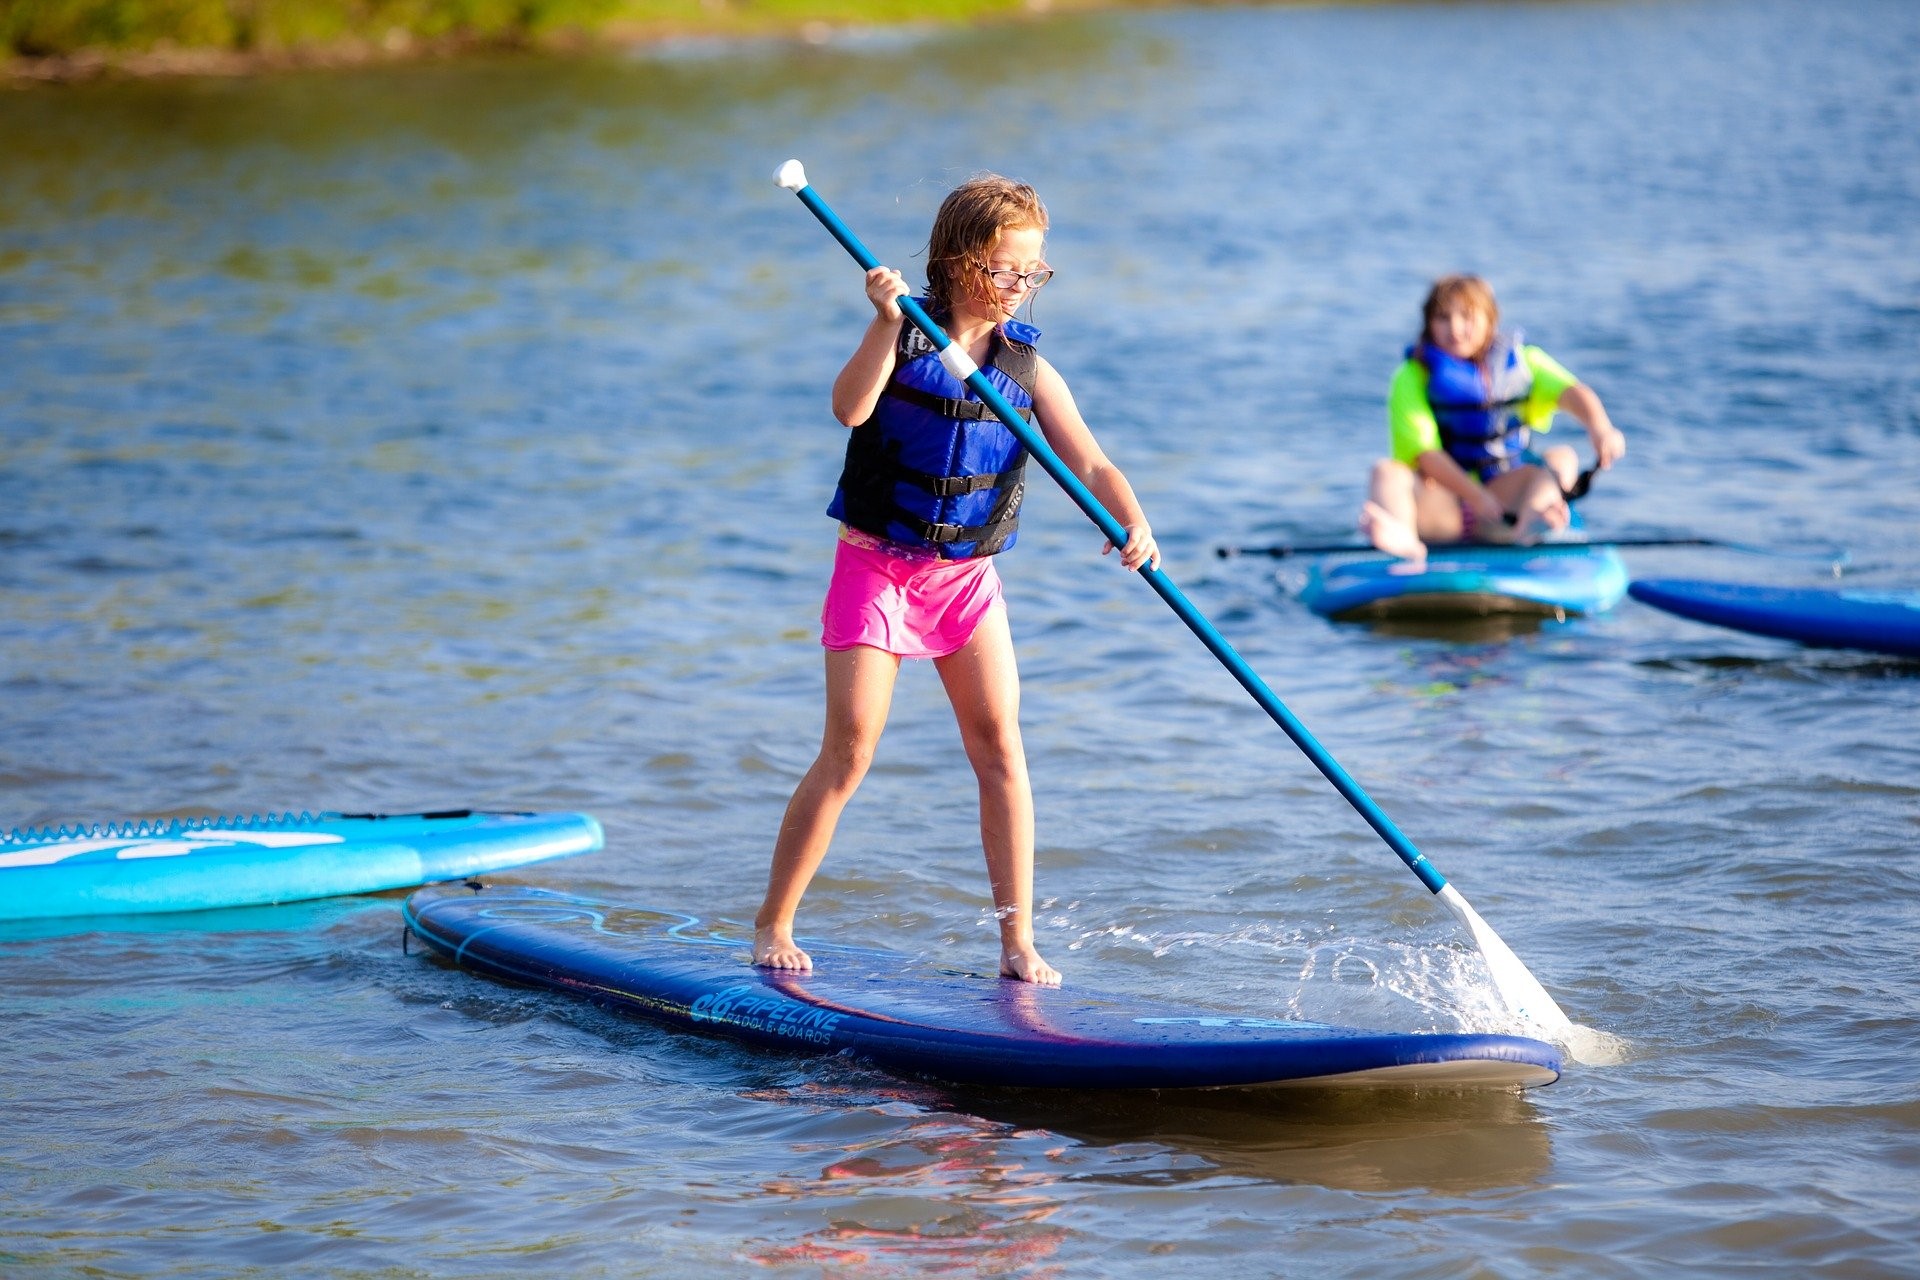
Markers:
point(930, 493)
point(1460, 411)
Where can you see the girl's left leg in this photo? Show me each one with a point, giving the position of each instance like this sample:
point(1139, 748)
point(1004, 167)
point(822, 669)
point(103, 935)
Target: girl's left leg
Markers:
point(1534, 496)
point(859, 691)
point(983, 683)
point(1564, 463)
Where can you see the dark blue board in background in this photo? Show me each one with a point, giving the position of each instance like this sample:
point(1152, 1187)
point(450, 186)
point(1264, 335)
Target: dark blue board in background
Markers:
point(1835, 618)
point(906, 1015)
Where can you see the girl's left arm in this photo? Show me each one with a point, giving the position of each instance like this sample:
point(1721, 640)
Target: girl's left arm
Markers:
point(1609, 446)
point(1072, 439)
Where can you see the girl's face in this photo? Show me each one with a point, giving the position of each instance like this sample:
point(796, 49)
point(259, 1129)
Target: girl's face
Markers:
point(1461, 330)
point(1015, 249)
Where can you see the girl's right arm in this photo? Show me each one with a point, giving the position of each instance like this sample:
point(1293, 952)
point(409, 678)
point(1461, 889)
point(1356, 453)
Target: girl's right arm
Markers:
point(1416, 442)
point(858, 387)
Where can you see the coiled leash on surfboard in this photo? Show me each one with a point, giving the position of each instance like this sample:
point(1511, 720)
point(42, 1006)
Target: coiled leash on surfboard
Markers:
point(158, 829)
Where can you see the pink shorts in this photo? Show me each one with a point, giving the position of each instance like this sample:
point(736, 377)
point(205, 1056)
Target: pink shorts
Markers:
point(914, 607)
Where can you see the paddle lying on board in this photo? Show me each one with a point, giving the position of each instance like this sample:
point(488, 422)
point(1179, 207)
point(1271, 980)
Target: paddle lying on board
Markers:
point(1281, 551)
point(1582, 483)
point(1517, 986)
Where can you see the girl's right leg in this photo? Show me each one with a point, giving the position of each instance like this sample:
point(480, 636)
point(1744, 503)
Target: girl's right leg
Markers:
point(1391, 516)
point(859, 691)
point(1564, 463)
point(1440, 519)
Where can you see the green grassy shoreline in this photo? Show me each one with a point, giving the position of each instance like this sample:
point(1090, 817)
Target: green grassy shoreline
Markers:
point(77, 39)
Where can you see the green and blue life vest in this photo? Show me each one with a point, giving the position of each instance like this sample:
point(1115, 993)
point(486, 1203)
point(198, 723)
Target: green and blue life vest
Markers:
point(1477, 404)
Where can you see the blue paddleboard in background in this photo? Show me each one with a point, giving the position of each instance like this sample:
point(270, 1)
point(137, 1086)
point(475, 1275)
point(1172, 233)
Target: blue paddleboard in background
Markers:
point(1469, 580)
point(1834, 618)
point(908, 1015)
point(202, 863)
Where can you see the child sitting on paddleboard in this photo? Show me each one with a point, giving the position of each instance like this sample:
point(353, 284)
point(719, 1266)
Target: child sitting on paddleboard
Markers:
point(1460, 412)
point(929, 494)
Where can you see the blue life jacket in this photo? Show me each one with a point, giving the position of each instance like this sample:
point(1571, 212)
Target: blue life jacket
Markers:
point(1477, 404)
point(934, 466)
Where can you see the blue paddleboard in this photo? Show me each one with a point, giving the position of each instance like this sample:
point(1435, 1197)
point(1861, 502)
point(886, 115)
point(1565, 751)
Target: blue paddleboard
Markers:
point(1881, 621)
point(914, 1017)
point(197, 864)
point(1469, 580)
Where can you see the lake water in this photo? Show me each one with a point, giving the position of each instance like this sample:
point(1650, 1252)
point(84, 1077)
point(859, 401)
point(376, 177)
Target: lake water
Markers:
point(457, 435)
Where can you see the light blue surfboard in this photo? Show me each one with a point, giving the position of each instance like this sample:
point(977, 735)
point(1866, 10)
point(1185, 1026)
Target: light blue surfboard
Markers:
point(202, 863)
point(1469, 580)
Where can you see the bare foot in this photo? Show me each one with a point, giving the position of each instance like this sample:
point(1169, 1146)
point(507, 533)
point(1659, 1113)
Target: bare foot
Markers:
point(1390, 533)
point(1025, 964)
point(774, 948)
point(1530, 523)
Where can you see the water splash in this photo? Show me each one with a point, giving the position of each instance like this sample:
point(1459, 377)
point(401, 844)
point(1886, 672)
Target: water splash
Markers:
point(1592, 1047)
point(1345, 979)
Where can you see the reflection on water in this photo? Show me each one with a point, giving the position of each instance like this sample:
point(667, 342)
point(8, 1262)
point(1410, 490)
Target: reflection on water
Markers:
point(1804, 664)
point(1348, 1139)
point(940, 1191)
point(1491, 628)
point(997, 1178)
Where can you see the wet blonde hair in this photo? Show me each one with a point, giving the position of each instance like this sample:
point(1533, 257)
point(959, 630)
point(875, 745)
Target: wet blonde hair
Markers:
point(1448, 291)
point(967, 227)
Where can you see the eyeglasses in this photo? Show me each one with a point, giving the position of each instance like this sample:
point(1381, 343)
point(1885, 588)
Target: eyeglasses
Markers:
point(1008, 278)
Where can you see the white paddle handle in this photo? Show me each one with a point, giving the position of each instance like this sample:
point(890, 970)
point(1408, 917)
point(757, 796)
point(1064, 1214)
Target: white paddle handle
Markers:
point(790, 176)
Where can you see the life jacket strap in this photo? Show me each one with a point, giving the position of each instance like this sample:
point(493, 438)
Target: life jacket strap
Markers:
point(989, 537)
point(1479, 404)
point(1492, 427)
point(952, 486)
point(962, 410)
point(993, 532)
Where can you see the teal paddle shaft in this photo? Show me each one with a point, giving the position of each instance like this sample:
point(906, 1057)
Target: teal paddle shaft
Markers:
point(1517, 985)
point(961, 366)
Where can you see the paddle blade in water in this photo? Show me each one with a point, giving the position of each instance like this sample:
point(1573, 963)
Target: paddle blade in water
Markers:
point(1519, 988)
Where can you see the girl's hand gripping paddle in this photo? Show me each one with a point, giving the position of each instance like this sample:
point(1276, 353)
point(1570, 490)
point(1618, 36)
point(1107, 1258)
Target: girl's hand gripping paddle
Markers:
point(1521, 991)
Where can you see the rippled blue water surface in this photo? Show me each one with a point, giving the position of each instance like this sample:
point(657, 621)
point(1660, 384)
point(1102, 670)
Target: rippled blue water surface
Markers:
point(457, 435)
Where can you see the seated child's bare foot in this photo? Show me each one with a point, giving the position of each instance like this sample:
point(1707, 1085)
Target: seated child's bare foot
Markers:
point(1529, 523)
point(774, 948)
point(1025, 964)
point(1390, 533)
